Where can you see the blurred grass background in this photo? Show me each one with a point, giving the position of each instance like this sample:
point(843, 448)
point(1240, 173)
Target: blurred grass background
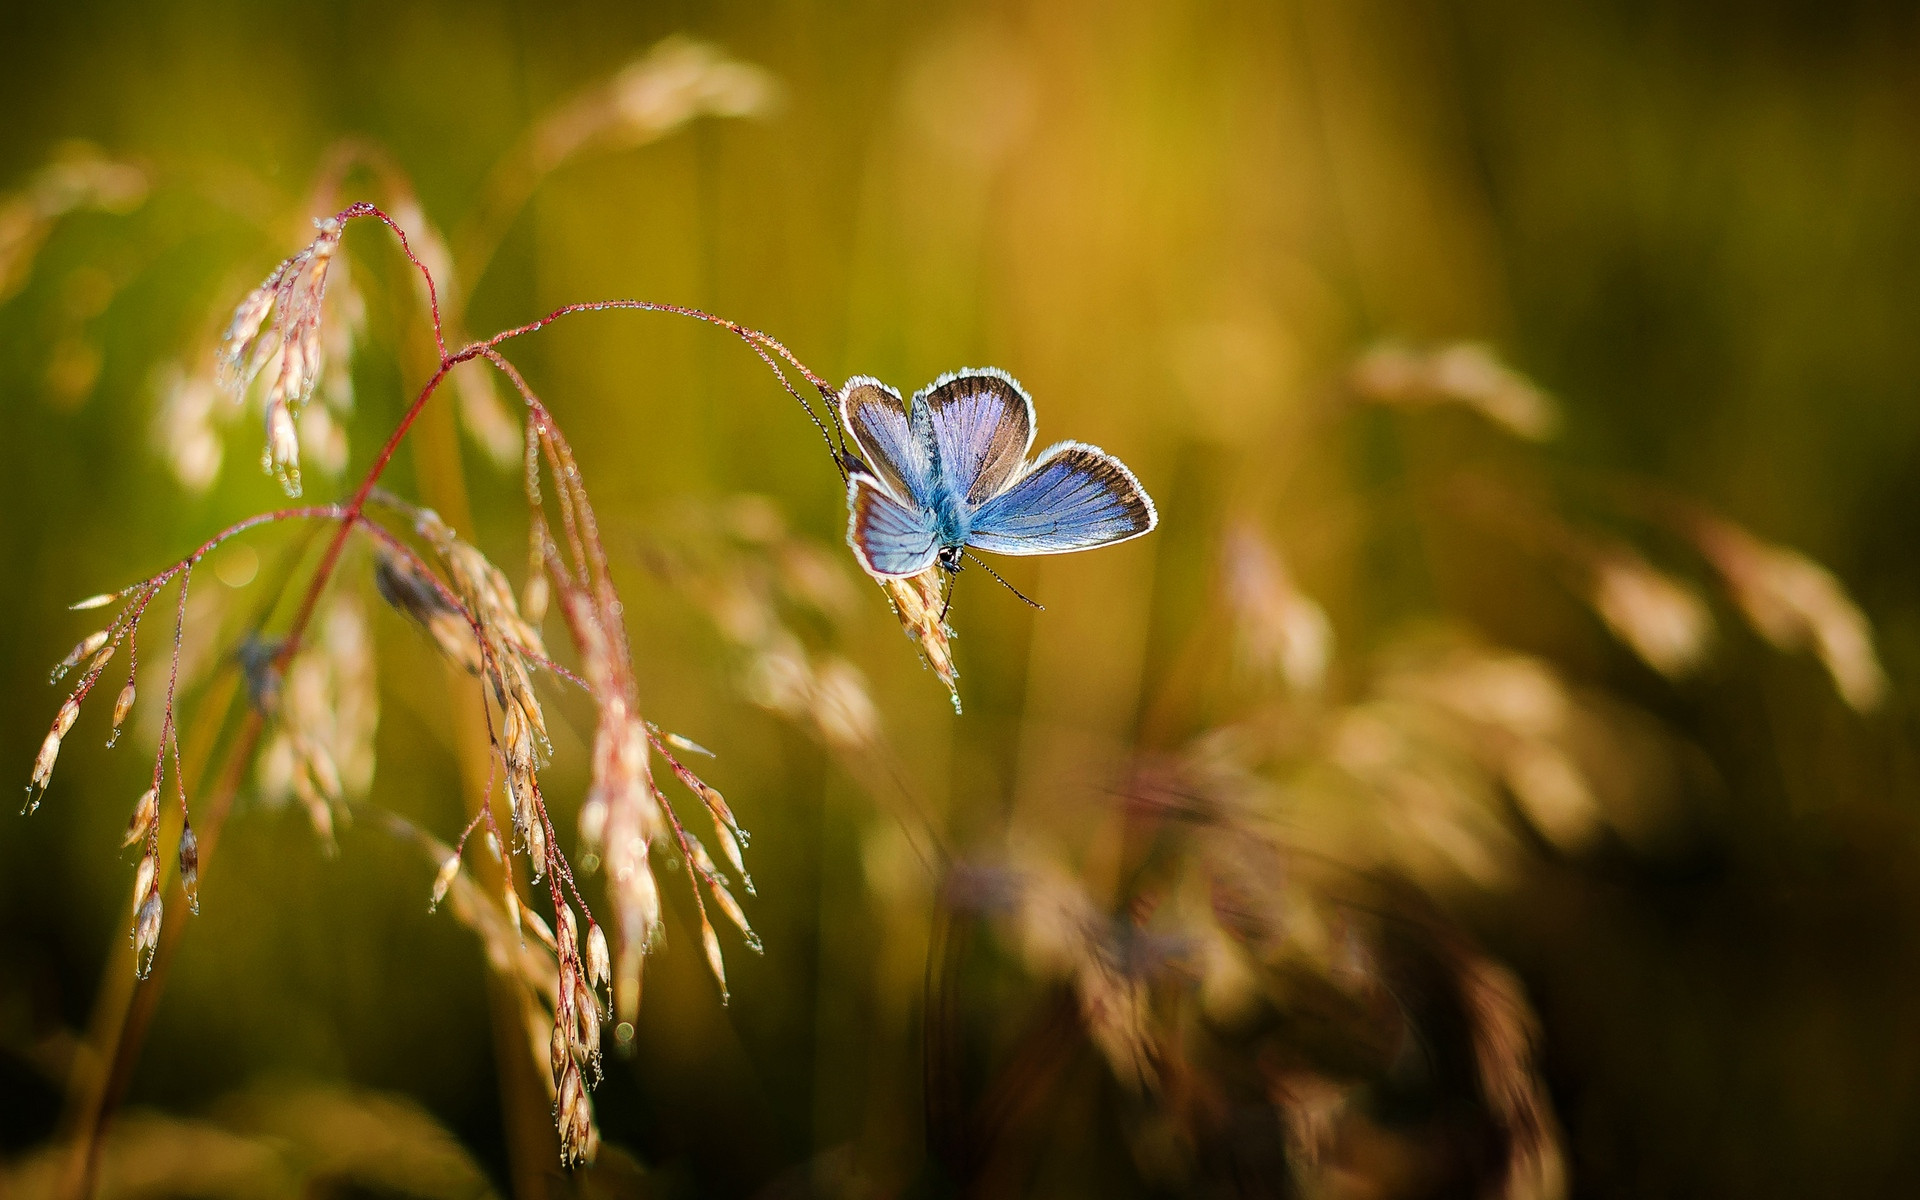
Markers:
point(1177, 224)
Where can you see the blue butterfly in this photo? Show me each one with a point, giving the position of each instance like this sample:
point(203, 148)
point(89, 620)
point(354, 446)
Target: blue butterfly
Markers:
point(950, 472)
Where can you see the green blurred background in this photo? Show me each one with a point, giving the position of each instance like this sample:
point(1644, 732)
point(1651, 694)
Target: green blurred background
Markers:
point(1177, 224)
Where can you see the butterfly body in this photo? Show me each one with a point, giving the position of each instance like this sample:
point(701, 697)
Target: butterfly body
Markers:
point(950, 472)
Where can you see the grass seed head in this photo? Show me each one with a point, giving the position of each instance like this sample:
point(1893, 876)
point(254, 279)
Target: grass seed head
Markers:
point(919, 604)
point(190, 867)
point(444, 880)
point(599, 966)
point(50, 751)
point(1795, 603)
point(88, 645)
point(1660, 618)
point(716, 963)
point(146, 934)
point(146, 810)
point(121, 707)
point(145, 877)
point(281, 457)
point(1464, 373)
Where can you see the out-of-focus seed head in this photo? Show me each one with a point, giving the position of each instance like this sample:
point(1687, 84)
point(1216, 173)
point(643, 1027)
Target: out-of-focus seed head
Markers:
point(402, 585)
point(538, 924)
point(281, 458)
point(444, 880)
point(190, 867)
point(534, 599)
point(698, 858)
point(1795, 603)
point(99, 601)
point(1464, 373)
point(319, 813)
point(842, 708)
point(1659, 617)
point(324, 438)
point(485, 418)
point(239, 360)
point(146, 810)
point(637, 911)
point(599, 965)
point(1278, 631)
point(326, 774)
point(680, 79)
point(593, 824)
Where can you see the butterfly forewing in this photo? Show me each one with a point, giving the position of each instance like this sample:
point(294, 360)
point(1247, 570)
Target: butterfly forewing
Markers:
point(980, 423)
point(1075, 497)
point(874, 414)
point(888, 537)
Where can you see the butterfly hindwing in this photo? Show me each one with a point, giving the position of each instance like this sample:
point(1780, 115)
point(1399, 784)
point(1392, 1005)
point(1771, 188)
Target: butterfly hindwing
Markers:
point(1075, 497)
point(889, 446)
point(889, 536)
point(980, 425)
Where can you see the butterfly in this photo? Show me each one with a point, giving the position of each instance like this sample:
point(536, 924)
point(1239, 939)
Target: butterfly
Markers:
point(950, 472)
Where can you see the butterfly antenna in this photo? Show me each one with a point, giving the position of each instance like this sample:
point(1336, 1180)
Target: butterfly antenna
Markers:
point(838, 452)
point(951, 576)
point(1003, 583)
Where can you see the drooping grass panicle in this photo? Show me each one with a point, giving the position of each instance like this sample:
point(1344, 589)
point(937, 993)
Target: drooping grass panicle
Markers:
point(315, 700)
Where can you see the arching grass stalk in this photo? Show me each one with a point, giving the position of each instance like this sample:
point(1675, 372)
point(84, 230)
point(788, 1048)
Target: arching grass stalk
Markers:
point(447, 585)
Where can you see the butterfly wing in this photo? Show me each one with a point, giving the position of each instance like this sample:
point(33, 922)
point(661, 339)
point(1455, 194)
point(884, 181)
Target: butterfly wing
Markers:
point(889, 537)
point(980, 423)
point(1075, 497)
point(889, 446)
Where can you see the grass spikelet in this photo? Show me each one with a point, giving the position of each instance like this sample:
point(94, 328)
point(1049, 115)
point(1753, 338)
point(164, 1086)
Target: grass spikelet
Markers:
point(1464, 373)
point(1663, 620)
point(921, 607)
point(1796, 604)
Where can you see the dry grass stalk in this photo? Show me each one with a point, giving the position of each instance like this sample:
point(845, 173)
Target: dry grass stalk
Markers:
point(320, 752)
point(1660, 618)
point(1505, 1038)
point(1795, 604)
point(1278, 631)
point(1464, 373)
point(763, 587)
point(318, 694)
